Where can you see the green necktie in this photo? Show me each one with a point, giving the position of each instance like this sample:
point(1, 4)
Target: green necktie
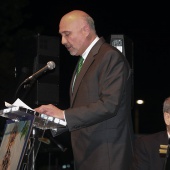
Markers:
point(80, 63)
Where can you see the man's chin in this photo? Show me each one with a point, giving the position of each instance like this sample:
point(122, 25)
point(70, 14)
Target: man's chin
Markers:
point(73, 54)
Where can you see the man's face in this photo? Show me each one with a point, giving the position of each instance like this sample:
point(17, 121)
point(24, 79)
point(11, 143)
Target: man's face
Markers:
point(73, 35)
point(167, 120)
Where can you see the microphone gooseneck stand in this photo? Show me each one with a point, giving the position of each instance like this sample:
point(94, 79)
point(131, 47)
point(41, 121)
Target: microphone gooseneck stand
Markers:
point(27, 86)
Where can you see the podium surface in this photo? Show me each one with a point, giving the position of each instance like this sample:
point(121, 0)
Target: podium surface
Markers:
point(41, 121)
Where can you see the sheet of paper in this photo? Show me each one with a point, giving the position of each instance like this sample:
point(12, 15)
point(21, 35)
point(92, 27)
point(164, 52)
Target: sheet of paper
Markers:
point(19, 103)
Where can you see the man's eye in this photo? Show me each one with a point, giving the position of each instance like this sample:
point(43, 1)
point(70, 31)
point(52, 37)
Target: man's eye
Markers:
point(67, 34)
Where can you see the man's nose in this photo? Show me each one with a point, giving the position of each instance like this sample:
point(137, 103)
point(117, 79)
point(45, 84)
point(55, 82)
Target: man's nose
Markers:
point(63, 40)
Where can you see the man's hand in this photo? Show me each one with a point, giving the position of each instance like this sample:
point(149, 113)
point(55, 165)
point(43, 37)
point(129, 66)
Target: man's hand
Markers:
point(50, 110)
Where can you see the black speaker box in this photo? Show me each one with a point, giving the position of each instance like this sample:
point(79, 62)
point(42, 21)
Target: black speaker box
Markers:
point(38, 51)
point(47, 86)
point(125, 45)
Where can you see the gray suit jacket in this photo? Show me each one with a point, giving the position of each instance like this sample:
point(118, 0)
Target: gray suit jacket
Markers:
point(99, 117)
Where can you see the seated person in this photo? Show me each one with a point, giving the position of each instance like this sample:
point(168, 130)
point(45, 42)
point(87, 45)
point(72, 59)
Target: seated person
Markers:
point(147, 154)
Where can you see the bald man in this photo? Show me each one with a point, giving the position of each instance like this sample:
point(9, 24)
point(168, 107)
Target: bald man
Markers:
point(99, 116)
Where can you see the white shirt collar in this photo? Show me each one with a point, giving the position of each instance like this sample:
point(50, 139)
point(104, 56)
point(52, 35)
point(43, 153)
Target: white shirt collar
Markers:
point(168, 136)
point(84, 55)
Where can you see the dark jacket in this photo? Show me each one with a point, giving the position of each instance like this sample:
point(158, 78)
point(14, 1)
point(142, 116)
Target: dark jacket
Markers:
point(146, 152)
point(99, 116)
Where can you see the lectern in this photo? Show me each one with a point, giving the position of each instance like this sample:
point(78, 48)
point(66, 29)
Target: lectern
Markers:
point(16, 143)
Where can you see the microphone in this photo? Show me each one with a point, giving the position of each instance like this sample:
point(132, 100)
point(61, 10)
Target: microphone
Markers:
point(50, 66)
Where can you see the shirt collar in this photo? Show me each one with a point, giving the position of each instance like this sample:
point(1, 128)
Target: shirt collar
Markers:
point(84, 55)
point(168, 136)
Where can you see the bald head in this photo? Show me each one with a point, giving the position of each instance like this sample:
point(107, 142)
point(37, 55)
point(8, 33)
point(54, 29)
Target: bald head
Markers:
point(79, 16)
point(75, 14)
point(77, 30)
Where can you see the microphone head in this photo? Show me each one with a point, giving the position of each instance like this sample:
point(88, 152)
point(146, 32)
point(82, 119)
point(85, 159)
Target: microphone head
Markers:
point(51, 65)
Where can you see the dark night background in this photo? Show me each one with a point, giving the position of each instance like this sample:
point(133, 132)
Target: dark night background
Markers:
point(147, 25)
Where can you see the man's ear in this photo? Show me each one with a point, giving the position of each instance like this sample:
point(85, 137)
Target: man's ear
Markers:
point(86, 29)
point(167, 118)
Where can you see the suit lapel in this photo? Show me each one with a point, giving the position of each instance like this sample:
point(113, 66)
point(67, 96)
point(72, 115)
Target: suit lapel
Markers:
point(89, 60)
point(79, 78)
